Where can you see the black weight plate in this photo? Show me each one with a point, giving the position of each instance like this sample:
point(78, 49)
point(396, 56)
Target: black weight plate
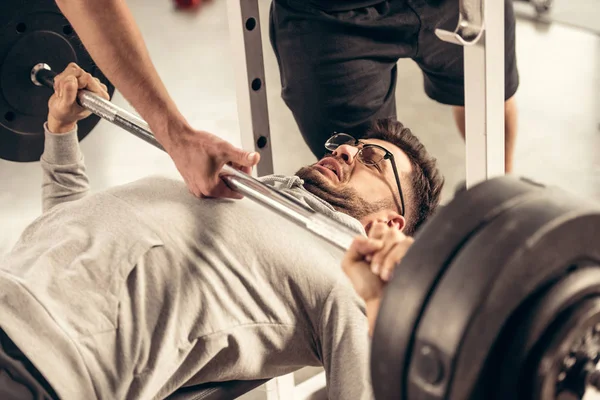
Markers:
point(515, 255)
point(574, 334)
point(33, 32)
point(515, 362)
point(436, 243)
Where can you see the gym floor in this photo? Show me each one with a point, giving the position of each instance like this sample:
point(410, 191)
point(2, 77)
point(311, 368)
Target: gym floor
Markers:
point(558, 100)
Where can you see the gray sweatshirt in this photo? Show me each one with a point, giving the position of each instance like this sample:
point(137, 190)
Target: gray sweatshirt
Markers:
point(138, 290)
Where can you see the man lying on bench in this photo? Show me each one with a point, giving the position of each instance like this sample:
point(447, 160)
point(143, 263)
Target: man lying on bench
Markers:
point(136, 291)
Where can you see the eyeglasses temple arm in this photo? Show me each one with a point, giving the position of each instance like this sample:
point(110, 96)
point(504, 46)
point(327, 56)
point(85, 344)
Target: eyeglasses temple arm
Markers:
point(393, 162)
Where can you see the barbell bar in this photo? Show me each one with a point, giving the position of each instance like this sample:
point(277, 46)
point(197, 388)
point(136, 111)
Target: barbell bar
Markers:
point(277, 201)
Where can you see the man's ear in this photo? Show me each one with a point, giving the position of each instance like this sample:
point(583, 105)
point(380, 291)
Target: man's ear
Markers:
point(393, 219)
point(396, 220)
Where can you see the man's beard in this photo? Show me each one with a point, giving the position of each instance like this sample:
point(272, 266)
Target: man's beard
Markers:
point(342, 199)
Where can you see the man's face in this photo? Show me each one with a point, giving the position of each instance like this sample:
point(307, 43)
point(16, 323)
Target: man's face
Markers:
point(354, 188)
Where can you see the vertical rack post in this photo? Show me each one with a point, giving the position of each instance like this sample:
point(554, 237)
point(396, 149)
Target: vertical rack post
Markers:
point(480, 31)
point(251, 91)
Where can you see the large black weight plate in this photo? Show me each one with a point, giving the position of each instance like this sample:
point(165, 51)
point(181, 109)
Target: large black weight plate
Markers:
point(436, 243)
point(573, 334)
point(525, 335)
point(33, 32)
point(517, 254)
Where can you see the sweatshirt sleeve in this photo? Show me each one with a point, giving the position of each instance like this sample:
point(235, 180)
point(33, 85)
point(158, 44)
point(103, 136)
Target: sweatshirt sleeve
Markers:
point(345, 346)
point(63, 170)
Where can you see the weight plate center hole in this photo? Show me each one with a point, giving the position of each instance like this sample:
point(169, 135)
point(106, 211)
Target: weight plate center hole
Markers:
point(21, 27)
point(9, 116)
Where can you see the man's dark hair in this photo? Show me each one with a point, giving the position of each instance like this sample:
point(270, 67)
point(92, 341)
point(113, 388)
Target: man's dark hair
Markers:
point(422, 198)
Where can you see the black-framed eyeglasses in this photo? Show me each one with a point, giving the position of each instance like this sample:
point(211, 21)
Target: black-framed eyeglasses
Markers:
point(368, 154)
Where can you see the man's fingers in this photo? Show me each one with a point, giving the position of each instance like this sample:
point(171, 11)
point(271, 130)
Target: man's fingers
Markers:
point(86, 81)
point(71, 70)
point(391, 238)
point(378, 229)
point(360, 248)
point(57, 86)
point(103, 89)
point(366, 246)
point(94, 85)
point(68, 90)
point(393, 258)
point(74, 68)
point(367, 285)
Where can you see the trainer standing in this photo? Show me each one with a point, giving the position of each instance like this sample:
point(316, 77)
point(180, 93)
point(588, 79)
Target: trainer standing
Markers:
point(337, 61)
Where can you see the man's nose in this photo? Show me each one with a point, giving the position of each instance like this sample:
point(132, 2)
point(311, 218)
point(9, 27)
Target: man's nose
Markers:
point(346, 153)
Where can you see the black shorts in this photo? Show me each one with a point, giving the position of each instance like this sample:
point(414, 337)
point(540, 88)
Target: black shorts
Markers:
point(338, 67)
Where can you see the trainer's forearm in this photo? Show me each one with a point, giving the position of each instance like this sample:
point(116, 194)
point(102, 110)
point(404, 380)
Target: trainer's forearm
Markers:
point(112, 37)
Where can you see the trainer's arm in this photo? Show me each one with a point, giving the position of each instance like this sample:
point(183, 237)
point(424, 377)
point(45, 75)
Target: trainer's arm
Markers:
point(63, 171)
point(112, 37)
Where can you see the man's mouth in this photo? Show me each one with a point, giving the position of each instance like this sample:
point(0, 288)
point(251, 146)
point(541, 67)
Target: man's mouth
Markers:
point(331, 168)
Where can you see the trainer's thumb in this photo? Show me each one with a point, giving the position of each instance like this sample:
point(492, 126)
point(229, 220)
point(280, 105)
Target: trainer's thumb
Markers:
point(243, 158)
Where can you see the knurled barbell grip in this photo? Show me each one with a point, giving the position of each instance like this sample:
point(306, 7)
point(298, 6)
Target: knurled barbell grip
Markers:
point(286, 206)
point(44, 76)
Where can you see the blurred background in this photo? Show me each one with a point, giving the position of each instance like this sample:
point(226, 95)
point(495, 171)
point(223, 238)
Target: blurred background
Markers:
point(558, 55)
